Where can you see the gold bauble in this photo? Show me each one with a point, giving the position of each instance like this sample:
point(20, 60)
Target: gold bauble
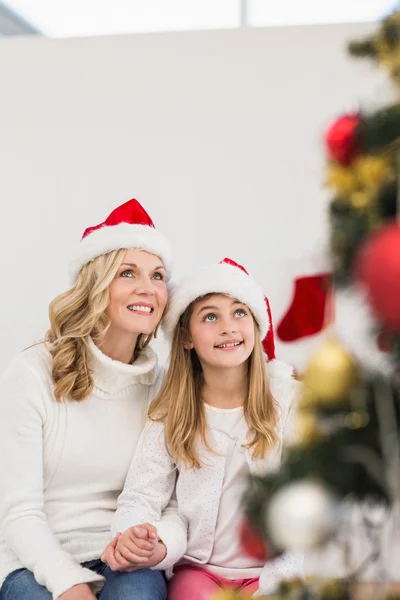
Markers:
point(305, 431)
point(308, 401)
point(331, 373)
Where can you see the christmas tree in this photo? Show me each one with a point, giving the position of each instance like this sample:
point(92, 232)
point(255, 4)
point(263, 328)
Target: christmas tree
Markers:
point(344, 458)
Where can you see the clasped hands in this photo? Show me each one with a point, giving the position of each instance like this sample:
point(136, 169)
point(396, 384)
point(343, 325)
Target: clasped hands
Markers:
point(136, 548)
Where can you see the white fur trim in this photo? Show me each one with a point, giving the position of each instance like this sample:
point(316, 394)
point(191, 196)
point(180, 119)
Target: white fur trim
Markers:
point(115, 237)
point(279, 369)
point(354, 326)
point(220, 278)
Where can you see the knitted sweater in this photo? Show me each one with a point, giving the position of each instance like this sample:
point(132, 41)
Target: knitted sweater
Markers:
point(63, 464)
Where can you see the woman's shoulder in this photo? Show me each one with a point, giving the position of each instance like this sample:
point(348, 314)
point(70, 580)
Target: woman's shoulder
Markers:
point(159, 375)
point(25, 383)
point(35, 359)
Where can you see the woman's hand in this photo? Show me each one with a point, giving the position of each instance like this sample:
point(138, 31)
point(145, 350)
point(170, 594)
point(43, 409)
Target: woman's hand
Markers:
point(78, 592)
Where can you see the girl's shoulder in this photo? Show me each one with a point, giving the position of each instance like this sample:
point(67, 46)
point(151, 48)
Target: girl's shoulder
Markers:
point(284, 387)
point(153, 428)
point(153, 439)
point(278, 369)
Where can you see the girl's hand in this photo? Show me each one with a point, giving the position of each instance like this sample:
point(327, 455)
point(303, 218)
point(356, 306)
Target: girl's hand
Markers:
point(78, 592)
point(136, 545)
point(141, 539)
point(160, 552)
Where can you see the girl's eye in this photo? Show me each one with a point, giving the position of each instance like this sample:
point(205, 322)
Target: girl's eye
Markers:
point(210, 318)
point(127, 273)
point(240, 312)
point(158, 276)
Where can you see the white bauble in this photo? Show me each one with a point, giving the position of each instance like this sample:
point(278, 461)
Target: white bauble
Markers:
point(301, 515)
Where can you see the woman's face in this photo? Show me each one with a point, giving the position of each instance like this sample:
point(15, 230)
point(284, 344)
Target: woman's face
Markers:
point(138, 293)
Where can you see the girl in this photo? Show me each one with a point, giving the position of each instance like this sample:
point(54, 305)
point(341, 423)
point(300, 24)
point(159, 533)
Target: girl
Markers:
point(221, 414)
point(71, 412)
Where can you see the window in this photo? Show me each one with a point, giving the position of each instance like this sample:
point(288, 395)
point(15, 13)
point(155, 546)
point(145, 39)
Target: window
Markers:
point(306, 12)
point(66, 18)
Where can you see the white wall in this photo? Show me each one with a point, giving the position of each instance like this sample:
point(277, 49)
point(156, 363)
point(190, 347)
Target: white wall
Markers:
point(218, 134)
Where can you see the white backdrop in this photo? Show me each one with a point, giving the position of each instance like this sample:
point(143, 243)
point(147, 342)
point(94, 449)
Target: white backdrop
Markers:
point(218, 134)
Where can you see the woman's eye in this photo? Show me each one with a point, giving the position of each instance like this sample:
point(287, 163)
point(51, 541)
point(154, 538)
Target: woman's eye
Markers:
point(158, 276)
point(209, 318)
point(127, 273)
point(240, 312)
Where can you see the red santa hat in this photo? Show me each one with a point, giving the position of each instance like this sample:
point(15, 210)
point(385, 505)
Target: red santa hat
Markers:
point(128, 226)
point(226, 277)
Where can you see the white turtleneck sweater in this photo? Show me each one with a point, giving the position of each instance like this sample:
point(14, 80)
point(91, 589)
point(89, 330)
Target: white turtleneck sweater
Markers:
point(63, 464)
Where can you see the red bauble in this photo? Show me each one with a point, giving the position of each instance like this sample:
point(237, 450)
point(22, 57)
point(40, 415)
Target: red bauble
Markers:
point(377, 267)
point(252, 542)
point(341, 139)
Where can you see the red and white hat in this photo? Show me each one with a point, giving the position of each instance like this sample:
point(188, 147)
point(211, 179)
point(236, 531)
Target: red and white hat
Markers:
point(226, 277)
point(128, 226)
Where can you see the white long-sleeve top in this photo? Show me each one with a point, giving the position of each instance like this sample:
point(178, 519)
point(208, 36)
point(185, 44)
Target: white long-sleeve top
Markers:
point(199, 492)
point(228, 558)
point(63, 464)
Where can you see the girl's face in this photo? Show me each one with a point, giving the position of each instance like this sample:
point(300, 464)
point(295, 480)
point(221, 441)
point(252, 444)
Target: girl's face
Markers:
point(138, 294)
point(221, 331)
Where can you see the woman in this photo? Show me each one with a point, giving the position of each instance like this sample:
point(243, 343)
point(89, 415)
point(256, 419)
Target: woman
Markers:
point(71, 412)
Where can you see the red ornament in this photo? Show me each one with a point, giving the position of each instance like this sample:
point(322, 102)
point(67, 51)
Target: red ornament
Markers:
point(341, 139)
point(377, 266)
point(252, 542)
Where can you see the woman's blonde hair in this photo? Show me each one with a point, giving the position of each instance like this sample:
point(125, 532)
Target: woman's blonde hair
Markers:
point(74, 316)
point(179, 403)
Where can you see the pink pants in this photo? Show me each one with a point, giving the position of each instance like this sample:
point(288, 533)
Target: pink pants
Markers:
point(195, 583)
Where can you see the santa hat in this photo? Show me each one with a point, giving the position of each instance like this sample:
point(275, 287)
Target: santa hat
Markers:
point(226, 277)
point(128, 226)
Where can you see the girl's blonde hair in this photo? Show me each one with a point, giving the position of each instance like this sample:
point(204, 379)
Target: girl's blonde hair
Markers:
point(74, 316)
point(179, 402)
